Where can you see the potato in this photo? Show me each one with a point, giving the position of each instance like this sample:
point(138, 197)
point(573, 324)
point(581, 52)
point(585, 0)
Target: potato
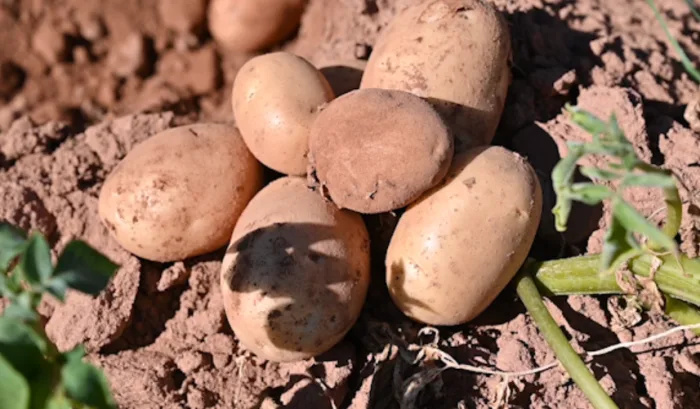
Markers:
point(253, 25)
point(276, 97)
point(455, 249)
point(296, 273)
point(454, 53)
point(179, 193)
point(375, 150)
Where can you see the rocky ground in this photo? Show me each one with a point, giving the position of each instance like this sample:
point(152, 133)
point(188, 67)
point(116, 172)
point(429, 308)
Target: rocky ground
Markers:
point(82, 81)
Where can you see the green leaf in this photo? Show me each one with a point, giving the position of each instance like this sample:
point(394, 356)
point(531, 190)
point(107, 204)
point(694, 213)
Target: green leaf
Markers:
point(589, 122)
point(21, 308)
point(615, 243)
point(659, 180)
point(87, 385)
point(600, 174)
point(633, 221)
point(12, 243)
point(43, 386)
point(14, 389)
point(589, 193)
point(561, 212)
point(22, 346)
point(36, 261)
point(58, 402)
point(82, 268)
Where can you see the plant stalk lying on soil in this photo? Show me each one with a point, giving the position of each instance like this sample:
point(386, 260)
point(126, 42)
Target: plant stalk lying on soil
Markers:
point(625, 265)
point(570, 360)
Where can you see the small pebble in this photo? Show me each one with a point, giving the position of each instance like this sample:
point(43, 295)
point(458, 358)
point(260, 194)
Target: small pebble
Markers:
point(49, 43)
point(130, 57)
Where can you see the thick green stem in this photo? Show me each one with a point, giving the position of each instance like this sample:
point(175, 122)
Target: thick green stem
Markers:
point(581, 275)
point(682, 312)
point(572, 362)
point(674, 212)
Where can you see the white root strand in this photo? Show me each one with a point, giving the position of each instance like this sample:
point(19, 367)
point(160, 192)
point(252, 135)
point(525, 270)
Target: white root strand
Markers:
point(452, 363)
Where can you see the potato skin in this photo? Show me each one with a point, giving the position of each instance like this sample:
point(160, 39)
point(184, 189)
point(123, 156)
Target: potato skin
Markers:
point(296, 273)
point(179, 193)
point(455, 249)
point(253, 25)
point(276, 97)
point(377, 150)
point(454, 53)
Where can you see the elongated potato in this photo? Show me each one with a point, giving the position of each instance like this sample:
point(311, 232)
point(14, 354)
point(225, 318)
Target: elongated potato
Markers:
point(454, 53)
point(179, 193)
point(276, 97)
point(456, 248)
point(296, 272)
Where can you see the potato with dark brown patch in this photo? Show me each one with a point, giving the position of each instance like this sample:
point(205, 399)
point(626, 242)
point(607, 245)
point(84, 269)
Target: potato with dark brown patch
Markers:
point(375, 150)
point(276, 97)
point(179, 193)
point(253, 25)
point(455, 249)
point(296, 273)
point(454, 53)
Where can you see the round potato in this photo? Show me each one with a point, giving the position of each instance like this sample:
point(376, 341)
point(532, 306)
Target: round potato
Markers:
point(454, 53)
point(179, 193)
point(456, 249)
point(253, 25)
point(375, 150)
point(296, 273)
point(276, 97)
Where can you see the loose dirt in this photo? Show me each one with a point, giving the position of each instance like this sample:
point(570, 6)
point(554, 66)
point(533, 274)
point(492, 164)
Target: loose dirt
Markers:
point(83, 81)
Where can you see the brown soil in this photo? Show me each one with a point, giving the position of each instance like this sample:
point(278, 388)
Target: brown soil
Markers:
point(82, 81)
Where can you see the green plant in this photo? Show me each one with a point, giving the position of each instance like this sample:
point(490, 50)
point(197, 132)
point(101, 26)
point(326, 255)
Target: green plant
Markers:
point(638, 258)
point(34, 373)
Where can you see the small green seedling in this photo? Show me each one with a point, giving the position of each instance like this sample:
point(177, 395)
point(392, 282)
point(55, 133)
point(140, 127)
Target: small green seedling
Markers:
point(626, 170)
point(33, 373)
point(648, 253)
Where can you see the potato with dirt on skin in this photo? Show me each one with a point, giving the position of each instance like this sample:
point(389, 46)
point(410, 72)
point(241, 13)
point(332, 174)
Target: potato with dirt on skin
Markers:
point(276, 97)
point(253, 25)
point(179, 193)
point(455, 249)
point(376, 150)
point(296, 273)
point(454, 53)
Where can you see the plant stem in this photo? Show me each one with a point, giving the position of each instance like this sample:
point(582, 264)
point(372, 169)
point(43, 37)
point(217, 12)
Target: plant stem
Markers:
point(682, 312)
point(581, 275)
point(689, 67)
point(674, 212)
point(572, 362)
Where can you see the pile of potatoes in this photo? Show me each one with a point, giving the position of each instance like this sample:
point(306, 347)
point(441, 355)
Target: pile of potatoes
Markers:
point(414, 137)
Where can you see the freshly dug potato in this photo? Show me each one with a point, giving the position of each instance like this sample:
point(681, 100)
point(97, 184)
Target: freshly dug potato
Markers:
point(253, 25)
point(454, 53)
point(375, 150)
point(455, 249)
point(276, 97)
point(296, 273)
point(179, 193)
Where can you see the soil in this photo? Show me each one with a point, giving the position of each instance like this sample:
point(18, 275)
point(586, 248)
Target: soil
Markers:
point(83, 81)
